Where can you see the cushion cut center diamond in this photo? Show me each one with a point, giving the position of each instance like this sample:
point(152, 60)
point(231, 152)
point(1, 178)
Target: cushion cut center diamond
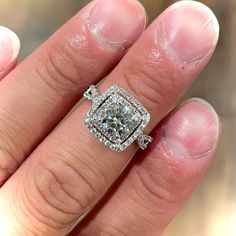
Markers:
point(117, 119)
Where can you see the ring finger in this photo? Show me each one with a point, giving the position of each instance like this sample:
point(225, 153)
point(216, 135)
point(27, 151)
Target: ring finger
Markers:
point(71, 170)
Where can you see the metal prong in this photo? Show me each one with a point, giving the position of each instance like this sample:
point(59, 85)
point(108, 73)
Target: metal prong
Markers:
point(143, 141)
point(91, 93)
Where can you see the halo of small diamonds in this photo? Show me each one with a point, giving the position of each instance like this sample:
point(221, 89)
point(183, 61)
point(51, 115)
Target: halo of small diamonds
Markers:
point(116, 118)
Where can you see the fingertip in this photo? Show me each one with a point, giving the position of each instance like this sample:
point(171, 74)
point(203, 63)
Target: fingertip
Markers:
point(201, 7)
point(9, 38)
point(192, 131)
point(188, 32)
point(117, 23)
point(9, 50)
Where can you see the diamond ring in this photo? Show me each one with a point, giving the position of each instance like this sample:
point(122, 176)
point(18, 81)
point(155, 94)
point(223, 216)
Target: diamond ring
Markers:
point(116, 118)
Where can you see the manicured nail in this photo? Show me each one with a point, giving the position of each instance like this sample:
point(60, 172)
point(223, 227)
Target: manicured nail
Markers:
point(187, 31)
point(192, 130)
point(117, 23)
point(9, 47)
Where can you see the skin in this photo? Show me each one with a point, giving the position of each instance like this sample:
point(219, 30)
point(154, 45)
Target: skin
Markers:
point(52, 178)
point(9, 50)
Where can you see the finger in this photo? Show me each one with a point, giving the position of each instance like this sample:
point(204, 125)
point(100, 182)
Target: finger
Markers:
point(39, 93)
point(71, 170)
point(160, 181)
point(9, 50)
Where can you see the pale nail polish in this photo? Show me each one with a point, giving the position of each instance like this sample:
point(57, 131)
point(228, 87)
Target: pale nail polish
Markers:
point(192, 130)
point(9, 47)
point(187, 32)
point(117, 23)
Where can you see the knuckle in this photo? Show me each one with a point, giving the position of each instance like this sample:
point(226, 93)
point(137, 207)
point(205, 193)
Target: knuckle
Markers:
point(8, 164)
point(149, 84)
point(155, 188)
point(11, 154)
point(53, 181)
point(51, 191)
point(67, 185)
point(12, 132)
point(61, 69)
point(23, 223)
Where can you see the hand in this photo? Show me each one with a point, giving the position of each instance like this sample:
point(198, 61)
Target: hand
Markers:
point(51, 177)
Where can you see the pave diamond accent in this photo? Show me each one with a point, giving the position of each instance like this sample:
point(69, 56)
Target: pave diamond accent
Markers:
point(91, 93)
point(144, 140)
point(117, 118)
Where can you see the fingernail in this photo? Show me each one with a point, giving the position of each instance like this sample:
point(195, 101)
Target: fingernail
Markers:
point(188, 31)
point(117, 23)
point(192, 130)
point(9, 47)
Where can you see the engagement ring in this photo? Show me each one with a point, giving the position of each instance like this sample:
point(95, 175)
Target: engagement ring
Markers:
point(116, 118)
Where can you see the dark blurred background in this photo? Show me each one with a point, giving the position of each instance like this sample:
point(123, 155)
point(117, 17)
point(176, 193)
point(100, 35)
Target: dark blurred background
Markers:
point(211, 211)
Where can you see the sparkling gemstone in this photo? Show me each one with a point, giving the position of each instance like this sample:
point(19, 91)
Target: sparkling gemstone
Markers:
point(91, 92)
point(144, 140)
point(117, 119)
